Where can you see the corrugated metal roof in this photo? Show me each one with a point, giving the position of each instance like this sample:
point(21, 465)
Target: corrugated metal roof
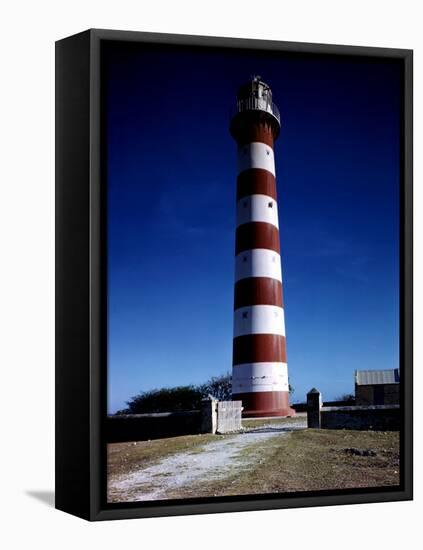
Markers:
point(370, 377)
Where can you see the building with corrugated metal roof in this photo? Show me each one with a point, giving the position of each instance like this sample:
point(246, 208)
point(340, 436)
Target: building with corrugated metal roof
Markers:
point(377, 387)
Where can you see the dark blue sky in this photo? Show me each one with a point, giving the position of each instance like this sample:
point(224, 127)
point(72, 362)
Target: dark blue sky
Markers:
point(171, 215)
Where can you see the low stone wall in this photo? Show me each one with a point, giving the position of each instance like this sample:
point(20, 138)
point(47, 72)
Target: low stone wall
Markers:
point(302, 407)
point(381, 418)
point(214, 416)
point(372, 417)
point(139, 427)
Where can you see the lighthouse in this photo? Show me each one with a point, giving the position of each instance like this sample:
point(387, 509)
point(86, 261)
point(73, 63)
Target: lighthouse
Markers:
point(259, 372)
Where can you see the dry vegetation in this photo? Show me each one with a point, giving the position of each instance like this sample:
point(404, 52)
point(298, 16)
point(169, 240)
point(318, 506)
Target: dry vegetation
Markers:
point(306, 460)
point(123, 458)
point(313, 460)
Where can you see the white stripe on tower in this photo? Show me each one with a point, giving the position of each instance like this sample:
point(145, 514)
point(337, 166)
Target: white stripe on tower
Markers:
point(259, 320)
point(259, 262)
point(256, 155)
point(257, 377)
point(257, 208)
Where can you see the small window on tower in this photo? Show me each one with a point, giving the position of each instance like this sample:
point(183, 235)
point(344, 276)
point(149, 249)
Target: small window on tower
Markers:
point(244, 259)
point(244, 204)
point(245, 314)
point(270, 204)
point(267, 152)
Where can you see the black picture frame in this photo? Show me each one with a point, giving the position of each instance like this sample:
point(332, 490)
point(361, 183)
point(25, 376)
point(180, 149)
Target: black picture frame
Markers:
point(81, 284)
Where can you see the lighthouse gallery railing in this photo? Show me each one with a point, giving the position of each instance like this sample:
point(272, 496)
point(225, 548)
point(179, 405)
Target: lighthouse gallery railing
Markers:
point(258, 104)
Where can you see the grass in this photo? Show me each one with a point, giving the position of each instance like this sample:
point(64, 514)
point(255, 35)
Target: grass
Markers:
point(122, 458)
point(306, 460)
point(313, 460)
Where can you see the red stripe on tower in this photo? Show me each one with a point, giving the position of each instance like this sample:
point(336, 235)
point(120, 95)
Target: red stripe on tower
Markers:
point(259, 372)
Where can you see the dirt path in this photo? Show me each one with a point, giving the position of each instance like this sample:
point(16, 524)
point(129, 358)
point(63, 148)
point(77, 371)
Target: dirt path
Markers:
point(213, 461)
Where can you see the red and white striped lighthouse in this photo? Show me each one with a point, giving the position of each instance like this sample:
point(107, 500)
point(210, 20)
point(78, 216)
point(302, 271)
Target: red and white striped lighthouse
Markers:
point(260, 372)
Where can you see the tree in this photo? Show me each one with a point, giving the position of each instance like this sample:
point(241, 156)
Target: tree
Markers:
point(347, 397)
point(180, 398)
point(219, 387)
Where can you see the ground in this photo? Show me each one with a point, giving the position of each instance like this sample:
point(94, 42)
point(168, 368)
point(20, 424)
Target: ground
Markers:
point(270, 456)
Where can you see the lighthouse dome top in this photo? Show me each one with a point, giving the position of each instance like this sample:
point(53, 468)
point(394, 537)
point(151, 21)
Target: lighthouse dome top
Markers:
point(255, 87)
point(255, 96)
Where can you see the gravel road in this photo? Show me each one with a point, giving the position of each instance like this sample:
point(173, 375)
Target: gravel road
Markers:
point(214, 461)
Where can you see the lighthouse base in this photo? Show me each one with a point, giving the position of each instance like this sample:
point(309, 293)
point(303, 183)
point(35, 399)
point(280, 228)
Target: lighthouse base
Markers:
point(261, 404)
